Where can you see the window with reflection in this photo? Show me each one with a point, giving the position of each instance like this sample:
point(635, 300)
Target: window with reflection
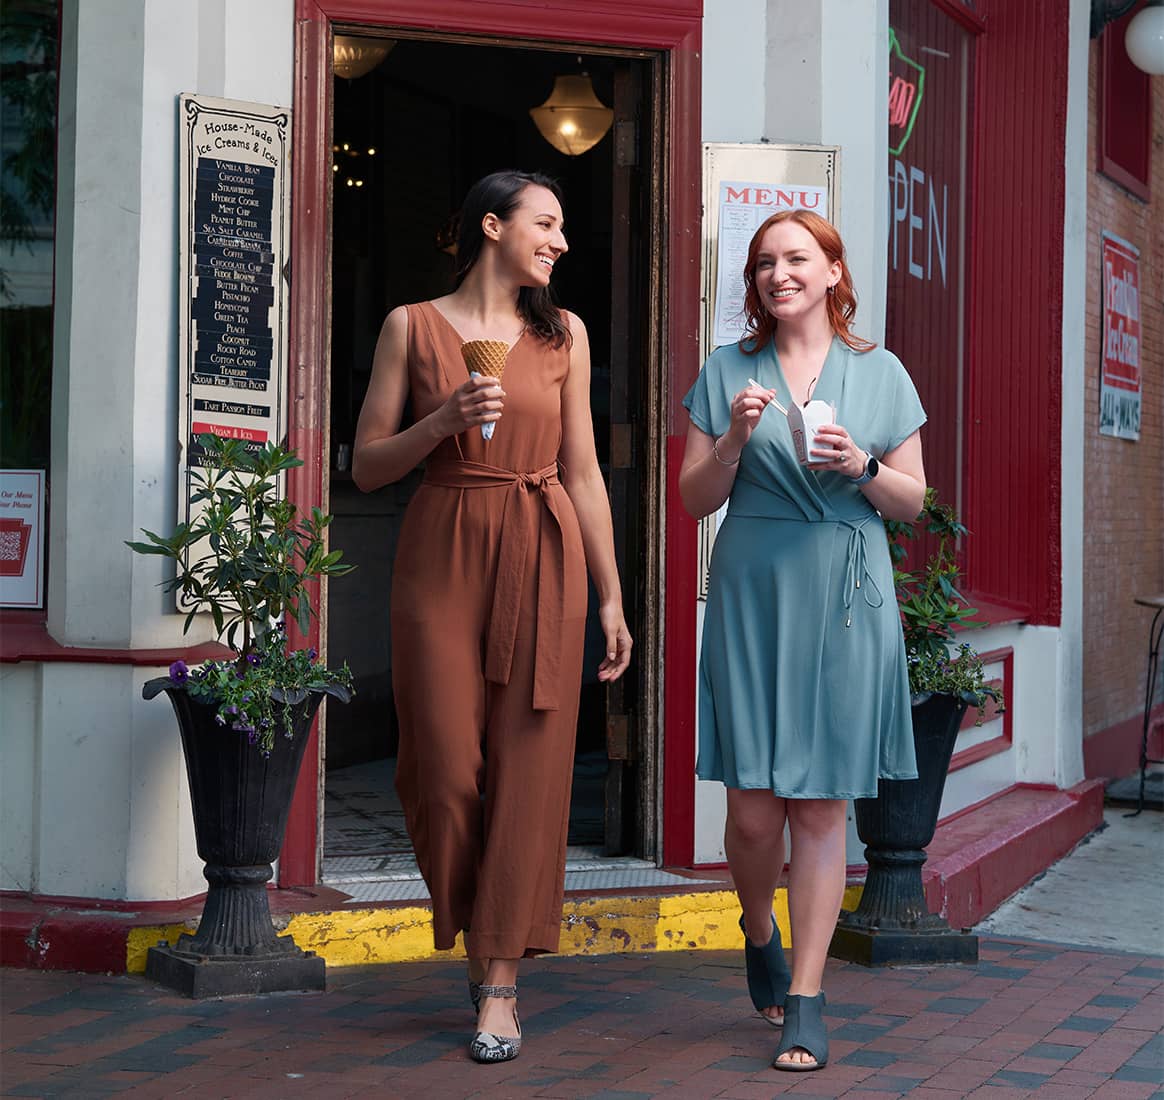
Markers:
point(931, 62)
point(28, 113)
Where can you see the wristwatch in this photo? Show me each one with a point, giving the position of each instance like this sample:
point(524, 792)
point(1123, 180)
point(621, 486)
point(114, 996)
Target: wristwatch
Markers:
point(872, 469)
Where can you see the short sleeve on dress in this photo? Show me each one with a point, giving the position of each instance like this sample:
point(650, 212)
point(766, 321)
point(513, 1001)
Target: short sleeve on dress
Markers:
point(710, 412)
point(902, 408)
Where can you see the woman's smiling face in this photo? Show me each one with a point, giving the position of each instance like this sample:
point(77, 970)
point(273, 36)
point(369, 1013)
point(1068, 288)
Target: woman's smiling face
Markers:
point(793, 275)
point(531, 240)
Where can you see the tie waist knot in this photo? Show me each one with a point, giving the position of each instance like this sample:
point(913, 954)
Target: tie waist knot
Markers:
point(531, 510)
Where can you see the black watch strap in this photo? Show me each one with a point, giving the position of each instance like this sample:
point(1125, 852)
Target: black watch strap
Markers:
point(872, 469)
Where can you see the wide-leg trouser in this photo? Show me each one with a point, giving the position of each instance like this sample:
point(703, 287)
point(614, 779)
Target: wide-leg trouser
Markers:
point(484, 779)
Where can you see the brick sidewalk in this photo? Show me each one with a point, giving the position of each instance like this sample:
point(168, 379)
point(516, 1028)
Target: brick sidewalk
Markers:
point(1030, 1020)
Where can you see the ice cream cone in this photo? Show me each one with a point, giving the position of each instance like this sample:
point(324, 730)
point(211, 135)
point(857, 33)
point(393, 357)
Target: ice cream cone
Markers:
point(485, 357)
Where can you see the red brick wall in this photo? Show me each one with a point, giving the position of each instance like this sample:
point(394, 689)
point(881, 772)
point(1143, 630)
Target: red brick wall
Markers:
point(1123, 481)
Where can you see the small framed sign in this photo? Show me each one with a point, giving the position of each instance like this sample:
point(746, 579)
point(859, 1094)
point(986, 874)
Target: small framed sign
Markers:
point(1119, 377)
point(22, 538)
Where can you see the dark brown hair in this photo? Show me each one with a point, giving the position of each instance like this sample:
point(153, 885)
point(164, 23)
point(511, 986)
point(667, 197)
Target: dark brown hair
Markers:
point(500, 194)
point(841, 303)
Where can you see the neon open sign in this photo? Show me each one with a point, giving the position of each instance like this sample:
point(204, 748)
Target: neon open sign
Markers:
point(907, 81)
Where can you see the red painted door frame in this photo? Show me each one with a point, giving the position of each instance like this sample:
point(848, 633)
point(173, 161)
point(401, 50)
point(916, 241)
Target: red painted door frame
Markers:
point(670, 26)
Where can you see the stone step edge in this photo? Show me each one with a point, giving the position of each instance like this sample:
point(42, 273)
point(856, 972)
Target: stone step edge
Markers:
point(981, 858)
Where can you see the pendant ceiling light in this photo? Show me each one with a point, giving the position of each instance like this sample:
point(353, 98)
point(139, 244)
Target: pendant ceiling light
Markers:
point(573, 119)
point(355, 57)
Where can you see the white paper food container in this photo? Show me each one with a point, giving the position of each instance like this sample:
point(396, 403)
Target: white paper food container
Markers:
point(804, 422)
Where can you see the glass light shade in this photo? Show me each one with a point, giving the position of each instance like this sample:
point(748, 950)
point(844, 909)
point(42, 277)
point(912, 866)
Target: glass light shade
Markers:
point(355, 57)
point(573, 119)
point(1144, 40)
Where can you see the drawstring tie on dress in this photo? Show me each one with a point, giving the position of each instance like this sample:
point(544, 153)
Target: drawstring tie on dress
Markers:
point(856, 567)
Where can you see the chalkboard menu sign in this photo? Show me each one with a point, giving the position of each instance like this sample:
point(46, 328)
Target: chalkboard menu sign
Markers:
point(235, 225)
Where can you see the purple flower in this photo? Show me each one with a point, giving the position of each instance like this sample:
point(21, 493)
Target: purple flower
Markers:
point(240, 673)
point(311, 654)
point(220, 720)
point(232, 709)
point(179, 673)
point(254, 659)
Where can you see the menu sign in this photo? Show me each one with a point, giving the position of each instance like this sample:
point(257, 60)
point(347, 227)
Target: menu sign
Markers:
point(235, 217)
point(22, 538)
point(1119, 380)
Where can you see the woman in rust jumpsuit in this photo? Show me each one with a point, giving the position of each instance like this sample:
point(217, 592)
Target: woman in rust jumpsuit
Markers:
point(489, 585)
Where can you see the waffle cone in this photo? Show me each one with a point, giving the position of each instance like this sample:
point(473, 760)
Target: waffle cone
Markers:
point(485, 357)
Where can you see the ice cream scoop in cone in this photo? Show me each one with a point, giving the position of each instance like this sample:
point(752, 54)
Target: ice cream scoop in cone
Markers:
point(485, 357)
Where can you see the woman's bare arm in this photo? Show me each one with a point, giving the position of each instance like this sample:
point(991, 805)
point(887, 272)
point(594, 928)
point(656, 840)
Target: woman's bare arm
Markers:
point(582, 478)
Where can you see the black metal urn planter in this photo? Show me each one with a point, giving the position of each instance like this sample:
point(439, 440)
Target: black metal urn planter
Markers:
point(248, 561)
point(891, 924)
point(240, 800)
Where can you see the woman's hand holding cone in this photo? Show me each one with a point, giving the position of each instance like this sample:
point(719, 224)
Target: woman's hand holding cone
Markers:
point(476, 403)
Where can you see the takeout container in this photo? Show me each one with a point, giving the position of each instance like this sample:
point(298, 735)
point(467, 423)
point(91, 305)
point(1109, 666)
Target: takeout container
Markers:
point(805, 421)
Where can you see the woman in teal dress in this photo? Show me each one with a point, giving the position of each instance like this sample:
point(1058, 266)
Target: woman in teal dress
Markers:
point(803, 692)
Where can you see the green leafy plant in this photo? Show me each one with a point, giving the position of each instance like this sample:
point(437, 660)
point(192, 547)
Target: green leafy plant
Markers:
point(248, 560)
point(932, 609)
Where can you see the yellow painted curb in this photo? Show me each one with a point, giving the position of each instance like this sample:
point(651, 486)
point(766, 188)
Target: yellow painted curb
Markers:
point(707, 920)
point(141, 939)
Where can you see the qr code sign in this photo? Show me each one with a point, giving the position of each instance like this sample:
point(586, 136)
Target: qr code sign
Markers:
point(9, 545)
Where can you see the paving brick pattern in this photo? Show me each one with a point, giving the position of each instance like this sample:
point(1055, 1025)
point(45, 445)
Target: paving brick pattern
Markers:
point(1029, 1020)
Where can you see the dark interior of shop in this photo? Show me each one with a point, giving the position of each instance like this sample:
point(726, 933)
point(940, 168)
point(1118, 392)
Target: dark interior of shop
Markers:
point(409, 138)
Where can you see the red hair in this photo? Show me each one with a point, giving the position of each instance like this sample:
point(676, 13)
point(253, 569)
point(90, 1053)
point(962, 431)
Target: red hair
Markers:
point(841, 304)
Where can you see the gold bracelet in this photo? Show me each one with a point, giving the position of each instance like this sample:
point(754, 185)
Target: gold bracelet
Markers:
point(715, 452)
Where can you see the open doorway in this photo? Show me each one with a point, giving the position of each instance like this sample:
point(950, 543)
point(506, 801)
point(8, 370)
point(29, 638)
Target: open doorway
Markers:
point(410, 136)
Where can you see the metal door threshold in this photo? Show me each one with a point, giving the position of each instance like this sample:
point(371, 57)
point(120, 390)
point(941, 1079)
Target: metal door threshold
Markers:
point(395, 877)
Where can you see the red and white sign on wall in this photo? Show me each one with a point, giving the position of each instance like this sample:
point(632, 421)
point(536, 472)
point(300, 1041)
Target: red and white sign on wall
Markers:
point(22, 538)
point(1119, 377)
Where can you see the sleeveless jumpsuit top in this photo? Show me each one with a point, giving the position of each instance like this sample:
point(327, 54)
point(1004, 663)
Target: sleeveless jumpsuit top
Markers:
point(491, 534)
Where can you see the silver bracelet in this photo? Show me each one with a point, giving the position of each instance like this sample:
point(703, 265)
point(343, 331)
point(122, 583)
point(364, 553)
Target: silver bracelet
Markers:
point(715, 451)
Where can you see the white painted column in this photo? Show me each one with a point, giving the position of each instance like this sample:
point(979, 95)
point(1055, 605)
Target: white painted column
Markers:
point(733, 72)
point(827, 82)
point(1068, 755)
point(99, 202)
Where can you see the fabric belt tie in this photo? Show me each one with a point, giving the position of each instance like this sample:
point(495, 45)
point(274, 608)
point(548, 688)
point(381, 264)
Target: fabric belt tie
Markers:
point(529, 498)
point(857, 568)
